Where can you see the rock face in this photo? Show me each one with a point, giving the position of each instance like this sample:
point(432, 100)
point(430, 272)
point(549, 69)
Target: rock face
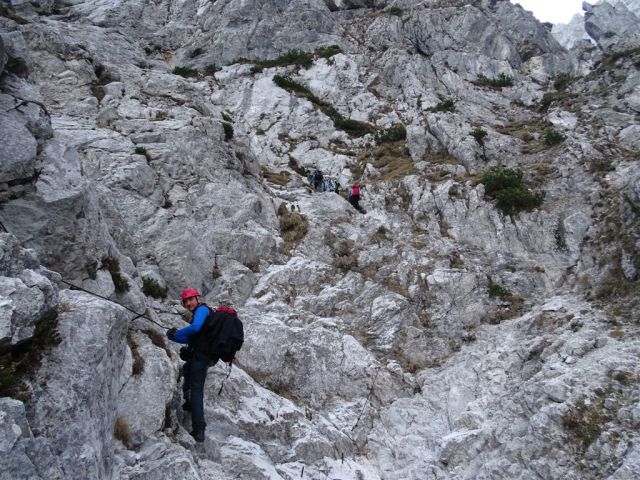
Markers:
point(609, 23)
point(479, 319)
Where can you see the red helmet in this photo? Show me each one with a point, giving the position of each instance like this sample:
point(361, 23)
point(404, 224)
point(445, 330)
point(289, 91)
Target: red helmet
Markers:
point(190, 292)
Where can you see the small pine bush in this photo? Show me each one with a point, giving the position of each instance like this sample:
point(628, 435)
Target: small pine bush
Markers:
point(151, 288)
point(392, 134)
point(445, 105)
point(553, 137)
point(228, 131)
point(479, 134)
point(497, 290)
point(561, 82)
point(186, 72)
point(328, 52)
point(505, 185)
point(397, 11)
point(501, 81)
point(140, 151)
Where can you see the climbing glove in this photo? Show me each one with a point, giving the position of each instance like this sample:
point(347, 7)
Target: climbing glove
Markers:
point(171, 332)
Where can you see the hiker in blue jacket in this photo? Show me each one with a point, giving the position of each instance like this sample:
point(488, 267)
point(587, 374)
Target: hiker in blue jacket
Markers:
point(197, 360)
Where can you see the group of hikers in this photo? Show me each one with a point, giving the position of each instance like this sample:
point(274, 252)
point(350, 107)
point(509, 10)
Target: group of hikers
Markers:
point(320, 183)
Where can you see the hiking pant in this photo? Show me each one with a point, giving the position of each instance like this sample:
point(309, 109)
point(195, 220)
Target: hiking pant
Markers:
point(195, 374)
point(354, 201)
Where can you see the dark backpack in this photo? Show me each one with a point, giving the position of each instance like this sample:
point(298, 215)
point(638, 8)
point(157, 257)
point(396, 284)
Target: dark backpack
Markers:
point(222, 334)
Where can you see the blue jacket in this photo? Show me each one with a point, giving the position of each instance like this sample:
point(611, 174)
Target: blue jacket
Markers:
point(184, 334)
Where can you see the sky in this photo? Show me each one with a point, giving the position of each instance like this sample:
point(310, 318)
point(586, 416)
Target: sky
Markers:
point(554, 11)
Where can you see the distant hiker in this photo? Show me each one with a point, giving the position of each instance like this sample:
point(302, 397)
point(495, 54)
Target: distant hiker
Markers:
point(210, 337)
point(329, 185)
point(354, 197)
point(317, 180)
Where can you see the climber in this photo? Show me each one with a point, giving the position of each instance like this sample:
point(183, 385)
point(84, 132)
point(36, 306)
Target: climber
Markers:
point(197, 360)
point(354, 197)
point(318, 180)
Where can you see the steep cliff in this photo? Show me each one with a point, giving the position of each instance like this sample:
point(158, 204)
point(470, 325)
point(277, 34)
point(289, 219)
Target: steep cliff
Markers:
point(480, 320)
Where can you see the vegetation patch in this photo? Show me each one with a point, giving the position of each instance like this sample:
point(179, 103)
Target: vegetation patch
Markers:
point(445, 105)
point(186, 72)
point(295, 166)
point(392, 134)
point(497, 290)
point(122, 432)
point(561, 82)
point(157, 338)
point(98, 92)
point(442, 156)
point(327, 52)
point(391, 159)
point(345, 258)
point(215, 272)
point(293, 227)
point(381, 235)
point(506, 186)
point(553, 137)
point(585, 420)
point(228, 131)
point(292, 57)
point(397, 11)
point(21, 361)
point(113, 266)
point(151, 288)
point(501, 81)
point(138, 361)
point(354, 128)
point(281, 178)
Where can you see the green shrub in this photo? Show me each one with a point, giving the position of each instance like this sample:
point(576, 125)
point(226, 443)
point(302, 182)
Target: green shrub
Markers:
point(394, 11)
point(354, 128)
point(392, 134)
point(561, 82)
point(445, 105)
point(151, 288)
point(501, 81)
point(98, 91)
point(479, 134)
point(328, 52)
point(226, 117)
point(24, 359)
point(551, 97)
point(498, 178)
point(228, 131)
point(140, 151)
point(553, 137)
point(215, 272)
point(505, 185)
point(497, 290)
point(186, 72)
point(292, 57)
